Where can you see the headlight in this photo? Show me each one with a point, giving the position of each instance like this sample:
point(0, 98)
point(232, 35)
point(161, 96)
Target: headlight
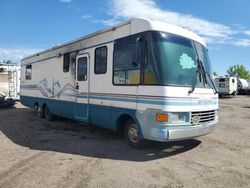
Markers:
point(172, 118)
point(178, 117)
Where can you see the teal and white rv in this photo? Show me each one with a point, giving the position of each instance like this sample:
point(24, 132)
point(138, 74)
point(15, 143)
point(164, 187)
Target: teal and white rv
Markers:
point(147, 78)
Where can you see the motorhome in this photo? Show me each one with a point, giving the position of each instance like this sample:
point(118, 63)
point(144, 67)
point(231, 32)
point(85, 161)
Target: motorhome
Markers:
point(149, 79)
point(226, 85)
point(9, 83)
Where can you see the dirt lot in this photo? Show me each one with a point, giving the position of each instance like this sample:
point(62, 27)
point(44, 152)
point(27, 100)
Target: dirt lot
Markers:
point(37, 153)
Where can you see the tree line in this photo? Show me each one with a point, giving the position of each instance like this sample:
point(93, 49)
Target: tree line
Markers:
point(238, 71)
point(6, 62)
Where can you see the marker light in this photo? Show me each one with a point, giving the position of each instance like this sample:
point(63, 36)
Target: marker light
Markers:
point(161, 117)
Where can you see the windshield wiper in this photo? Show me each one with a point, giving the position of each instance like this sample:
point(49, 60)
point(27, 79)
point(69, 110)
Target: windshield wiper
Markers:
point(201, 70)
point(209, 76)
point(214, 87)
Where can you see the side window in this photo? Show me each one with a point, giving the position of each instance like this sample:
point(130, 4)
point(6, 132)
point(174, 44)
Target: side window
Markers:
point(66, 62)
point(101, 60)
point(28, 72)
point(82, 69)
point(127, 61)
point(222, 80)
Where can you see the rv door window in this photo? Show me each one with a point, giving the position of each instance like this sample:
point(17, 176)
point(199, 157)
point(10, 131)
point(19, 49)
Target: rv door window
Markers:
point(66, 62)
point(101, 60)
point(82, 69)
point(28, 72)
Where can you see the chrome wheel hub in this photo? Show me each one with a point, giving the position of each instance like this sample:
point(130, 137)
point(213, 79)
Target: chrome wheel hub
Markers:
point(133, 134)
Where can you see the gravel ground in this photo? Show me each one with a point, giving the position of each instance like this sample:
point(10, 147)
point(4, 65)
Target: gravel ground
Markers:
point(63, 153)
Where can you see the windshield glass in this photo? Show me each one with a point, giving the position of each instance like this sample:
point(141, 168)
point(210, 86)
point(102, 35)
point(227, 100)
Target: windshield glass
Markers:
point(172, 60)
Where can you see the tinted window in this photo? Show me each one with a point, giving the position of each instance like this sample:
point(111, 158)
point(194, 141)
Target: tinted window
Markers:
point(66, 62)
point(127, 61)
point(28, 72)
point(101, 60)
point(82, 69)
point(222, 80)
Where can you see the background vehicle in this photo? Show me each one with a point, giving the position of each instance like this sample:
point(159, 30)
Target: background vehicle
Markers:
point(226, 85)
point(147, 78)
point(9, 83)
point(243, 86)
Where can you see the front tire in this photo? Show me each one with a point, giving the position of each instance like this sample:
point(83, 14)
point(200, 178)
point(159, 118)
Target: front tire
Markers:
point(133, 135)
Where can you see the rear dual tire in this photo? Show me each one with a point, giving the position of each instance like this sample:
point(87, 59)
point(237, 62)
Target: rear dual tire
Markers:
point(44, 112)
point(48, 115)
point(39, 111)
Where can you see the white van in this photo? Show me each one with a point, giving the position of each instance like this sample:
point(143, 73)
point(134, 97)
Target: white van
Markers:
point(147, 78)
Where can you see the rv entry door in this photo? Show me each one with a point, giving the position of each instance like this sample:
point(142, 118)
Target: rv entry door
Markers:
point(82, 87)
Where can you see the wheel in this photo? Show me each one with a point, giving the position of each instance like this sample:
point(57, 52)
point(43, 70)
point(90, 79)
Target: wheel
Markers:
point(10, 102)
point(48, 115)
point(36, 107)
point(39, 111)
point(235, 93)
point(132, 135)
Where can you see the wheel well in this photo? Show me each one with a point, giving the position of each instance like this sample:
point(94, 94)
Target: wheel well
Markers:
point(121, 121)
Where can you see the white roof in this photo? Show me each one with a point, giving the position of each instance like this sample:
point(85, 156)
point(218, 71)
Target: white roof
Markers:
point(137, 25)
point(144, 24)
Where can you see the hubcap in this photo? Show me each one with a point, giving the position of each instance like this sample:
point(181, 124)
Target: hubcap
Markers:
point(133, 134)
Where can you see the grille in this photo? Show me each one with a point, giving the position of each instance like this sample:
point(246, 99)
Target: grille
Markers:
point(202, 117)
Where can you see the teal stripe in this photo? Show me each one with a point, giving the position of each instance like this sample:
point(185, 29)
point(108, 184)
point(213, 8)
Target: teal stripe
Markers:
point(143, 101)
point(114, 99)
point(155, 102)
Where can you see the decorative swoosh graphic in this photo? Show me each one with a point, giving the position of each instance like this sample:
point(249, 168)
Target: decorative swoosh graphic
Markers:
point(56, 90)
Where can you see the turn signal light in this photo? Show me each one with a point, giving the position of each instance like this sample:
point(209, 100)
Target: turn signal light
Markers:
point(162, 117)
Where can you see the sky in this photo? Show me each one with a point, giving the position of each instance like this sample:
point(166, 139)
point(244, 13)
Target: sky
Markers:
point(30, 26)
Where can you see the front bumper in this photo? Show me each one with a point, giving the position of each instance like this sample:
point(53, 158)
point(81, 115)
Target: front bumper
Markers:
point(165, 134)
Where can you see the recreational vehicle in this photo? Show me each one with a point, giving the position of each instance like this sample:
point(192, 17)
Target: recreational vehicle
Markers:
point(243, 86)
point(9, 83)
point(147, 78)
point(226, 85)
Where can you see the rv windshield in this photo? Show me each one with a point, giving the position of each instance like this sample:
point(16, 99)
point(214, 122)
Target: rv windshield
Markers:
point(172, 60)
